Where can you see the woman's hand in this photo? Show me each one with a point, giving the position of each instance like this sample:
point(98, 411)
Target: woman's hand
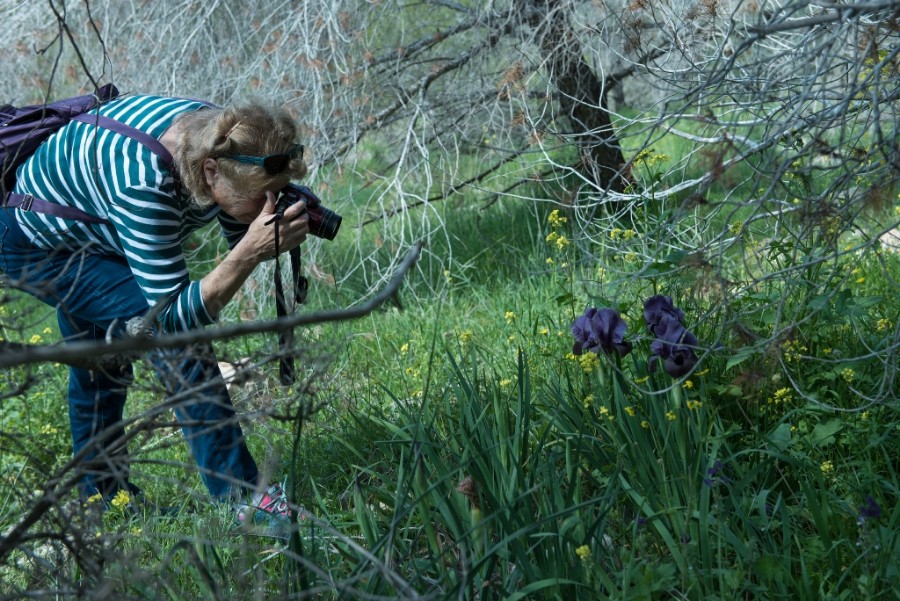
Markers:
point(222, 283)
point(293, 227)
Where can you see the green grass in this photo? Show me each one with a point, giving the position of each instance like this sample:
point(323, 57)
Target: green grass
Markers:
point(458, 450)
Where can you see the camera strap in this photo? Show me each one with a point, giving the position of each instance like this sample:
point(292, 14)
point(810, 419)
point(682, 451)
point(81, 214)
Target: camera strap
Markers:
point(286, 373)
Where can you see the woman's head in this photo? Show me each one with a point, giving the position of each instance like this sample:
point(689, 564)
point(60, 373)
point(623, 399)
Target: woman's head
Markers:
point(210, 136)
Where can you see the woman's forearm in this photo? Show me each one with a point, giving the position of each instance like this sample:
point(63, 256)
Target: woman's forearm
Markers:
point(220, 285)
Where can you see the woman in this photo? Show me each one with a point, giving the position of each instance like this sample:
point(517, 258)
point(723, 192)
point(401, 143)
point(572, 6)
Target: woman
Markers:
point(228, 165)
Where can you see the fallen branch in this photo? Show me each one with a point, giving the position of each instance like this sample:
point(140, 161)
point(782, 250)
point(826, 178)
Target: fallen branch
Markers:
point(91, 354)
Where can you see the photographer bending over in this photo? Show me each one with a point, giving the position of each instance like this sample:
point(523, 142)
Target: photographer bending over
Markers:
point(229, 165)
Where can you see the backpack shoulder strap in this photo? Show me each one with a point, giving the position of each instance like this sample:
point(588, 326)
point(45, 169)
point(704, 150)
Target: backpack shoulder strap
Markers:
point(28, 202)
point(132, 132)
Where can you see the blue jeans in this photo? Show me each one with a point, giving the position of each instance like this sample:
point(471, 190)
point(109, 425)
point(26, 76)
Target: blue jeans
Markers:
point(91, 292)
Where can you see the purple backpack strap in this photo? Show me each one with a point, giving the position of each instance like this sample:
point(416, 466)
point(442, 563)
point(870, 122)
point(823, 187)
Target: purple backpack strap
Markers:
point(132, 132)
point(27, 202)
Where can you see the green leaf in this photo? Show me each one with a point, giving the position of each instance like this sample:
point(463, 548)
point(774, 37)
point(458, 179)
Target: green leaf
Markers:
point(769, 568)
point(565, 299)
point(780, 437)
point(825, 433)
point(740, 356)
point(534, 587)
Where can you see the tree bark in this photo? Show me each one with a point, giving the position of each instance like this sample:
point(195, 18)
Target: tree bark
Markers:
point(582, 95)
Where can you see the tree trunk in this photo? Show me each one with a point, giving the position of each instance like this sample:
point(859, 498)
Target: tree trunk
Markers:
point(582, 95)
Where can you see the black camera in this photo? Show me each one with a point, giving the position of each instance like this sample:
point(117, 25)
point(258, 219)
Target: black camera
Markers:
point(323, 222)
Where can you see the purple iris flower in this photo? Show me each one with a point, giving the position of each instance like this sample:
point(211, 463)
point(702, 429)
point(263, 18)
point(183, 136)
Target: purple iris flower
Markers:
point(674, 346)
point(871, 510)
point(657, 308)
point(600, 330)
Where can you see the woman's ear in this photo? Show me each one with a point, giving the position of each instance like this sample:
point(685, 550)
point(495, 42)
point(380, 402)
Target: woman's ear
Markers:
point(210, 171)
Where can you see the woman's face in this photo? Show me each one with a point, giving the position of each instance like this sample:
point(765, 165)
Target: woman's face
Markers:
point(238, 205)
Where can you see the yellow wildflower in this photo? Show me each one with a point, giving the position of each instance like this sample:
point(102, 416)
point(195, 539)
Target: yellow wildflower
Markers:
point(883, 324)
point(641, 380)
point(505, 383)
point(466, 336)
point(583, 552)
point(555, 219)
point(509, 316)
point(404, 348)
point(121, 499)
point(551, 237)
point(615, 233)
point(628, 234)
point(589, 362)
point(549, 260)
point(544, 331)
point(561, 242)
point(848, 374)
point(47, 331)
point(95, 499)
point(629, 410)
point(827, 468)
point(694, 404)
point(35, 339)
point(670, 415)
point(645, 424)
point(688, 385)
point(782, 395)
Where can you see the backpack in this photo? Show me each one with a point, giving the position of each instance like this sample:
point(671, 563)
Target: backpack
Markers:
point(24, 129)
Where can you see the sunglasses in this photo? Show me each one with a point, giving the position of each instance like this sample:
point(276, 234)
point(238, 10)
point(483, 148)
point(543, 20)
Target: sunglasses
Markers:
point(274, 163)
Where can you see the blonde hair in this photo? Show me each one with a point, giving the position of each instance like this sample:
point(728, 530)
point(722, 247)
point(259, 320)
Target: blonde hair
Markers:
point(253, 130)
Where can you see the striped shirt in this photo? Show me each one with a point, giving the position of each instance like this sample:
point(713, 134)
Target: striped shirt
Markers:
point(109, 175)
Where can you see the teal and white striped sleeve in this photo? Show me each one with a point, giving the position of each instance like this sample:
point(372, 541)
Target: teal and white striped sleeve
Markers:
point(148, 222)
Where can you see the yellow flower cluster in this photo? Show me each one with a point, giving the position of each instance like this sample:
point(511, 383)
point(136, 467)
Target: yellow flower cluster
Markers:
point(620, 234)
point(604, 412)
point(583, 552)
point(649, 158)
point(693, 405)
point(792, 350)
point(509, 317)
point(883, 324)
point(466, 336)
point(121, 499)
point(782, 395)
point(559, 239)
point(848, 374)
point(827, 468)
point(555, 219)
point(589, 362)
point(670, 415)
point(555, 237)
